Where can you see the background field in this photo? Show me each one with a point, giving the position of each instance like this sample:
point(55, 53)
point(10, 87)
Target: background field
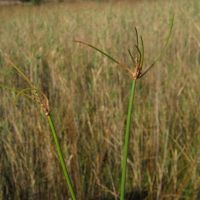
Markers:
point(88, 98)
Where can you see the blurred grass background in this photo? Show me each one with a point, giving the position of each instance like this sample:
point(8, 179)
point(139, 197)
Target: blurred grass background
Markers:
point(88, 98)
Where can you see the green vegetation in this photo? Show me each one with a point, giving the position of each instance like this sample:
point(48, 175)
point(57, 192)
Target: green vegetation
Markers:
point(34, 94)
point(135, 74)
point(61, 157)
point(88, 97)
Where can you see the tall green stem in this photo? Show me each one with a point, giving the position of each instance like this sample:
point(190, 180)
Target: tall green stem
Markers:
point(61, 158)
point(126, 142)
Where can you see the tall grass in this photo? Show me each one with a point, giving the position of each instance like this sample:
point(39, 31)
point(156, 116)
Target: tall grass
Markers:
point(89, 96)
point(34, 94)
point(135, 74)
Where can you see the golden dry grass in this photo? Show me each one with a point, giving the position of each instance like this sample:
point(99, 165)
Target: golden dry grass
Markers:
point(88, 97)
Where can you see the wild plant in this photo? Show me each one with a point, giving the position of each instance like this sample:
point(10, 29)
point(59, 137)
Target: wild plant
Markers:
point(37, 96)
point(136, 72)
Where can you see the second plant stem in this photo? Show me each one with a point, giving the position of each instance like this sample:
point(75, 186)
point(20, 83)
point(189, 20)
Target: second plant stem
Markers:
point(126, 142)
point(61, 158)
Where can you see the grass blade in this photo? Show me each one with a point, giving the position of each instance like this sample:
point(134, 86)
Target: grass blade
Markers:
point(99, 50)
point(50, 121)
point(131, 55)
point(126, 142)
point(137, 38)
point(19, 71)
point(142, 52)
point(102, 52)
point(61, 157)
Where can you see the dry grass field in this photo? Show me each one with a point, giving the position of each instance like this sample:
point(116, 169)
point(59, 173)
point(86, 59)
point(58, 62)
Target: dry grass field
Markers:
point(88, 97)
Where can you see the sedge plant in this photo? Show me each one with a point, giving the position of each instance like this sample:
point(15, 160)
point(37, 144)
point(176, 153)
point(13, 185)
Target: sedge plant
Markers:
point(136, 73)
point(33, 93)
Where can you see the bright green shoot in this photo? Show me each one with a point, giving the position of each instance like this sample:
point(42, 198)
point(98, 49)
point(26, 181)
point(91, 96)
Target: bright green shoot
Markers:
point(135, 74)
point(61, 157)
point(36, 95)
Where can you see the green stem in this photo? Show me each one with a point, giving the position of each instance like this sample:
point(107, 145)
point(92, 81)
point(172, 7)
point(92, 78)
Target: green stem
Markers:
point(61, 158)
point(126, 144)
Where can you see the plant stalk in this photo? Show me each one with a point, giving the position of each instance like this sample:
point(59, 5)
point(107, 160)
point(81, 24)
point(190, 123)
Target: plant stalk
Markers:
point(61, 157)
point(126, 142)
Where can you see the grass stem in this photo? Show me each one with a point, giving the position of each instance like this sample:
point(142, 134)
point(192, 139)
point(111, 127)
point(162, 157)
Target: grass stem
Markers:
point(126, 142)
point(61, 157)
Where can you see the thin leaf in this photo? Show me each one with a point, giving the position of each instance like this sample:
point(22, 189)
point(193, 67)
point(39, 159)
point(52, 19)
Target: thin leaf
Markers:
point(105, 54)
point(139, 52)
point(142, 52)
point(19, 71)
point(23, 93)
point(137, 38)
point(131, 55)
point(99, 50)
point(15, 91)
point(9, 88)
